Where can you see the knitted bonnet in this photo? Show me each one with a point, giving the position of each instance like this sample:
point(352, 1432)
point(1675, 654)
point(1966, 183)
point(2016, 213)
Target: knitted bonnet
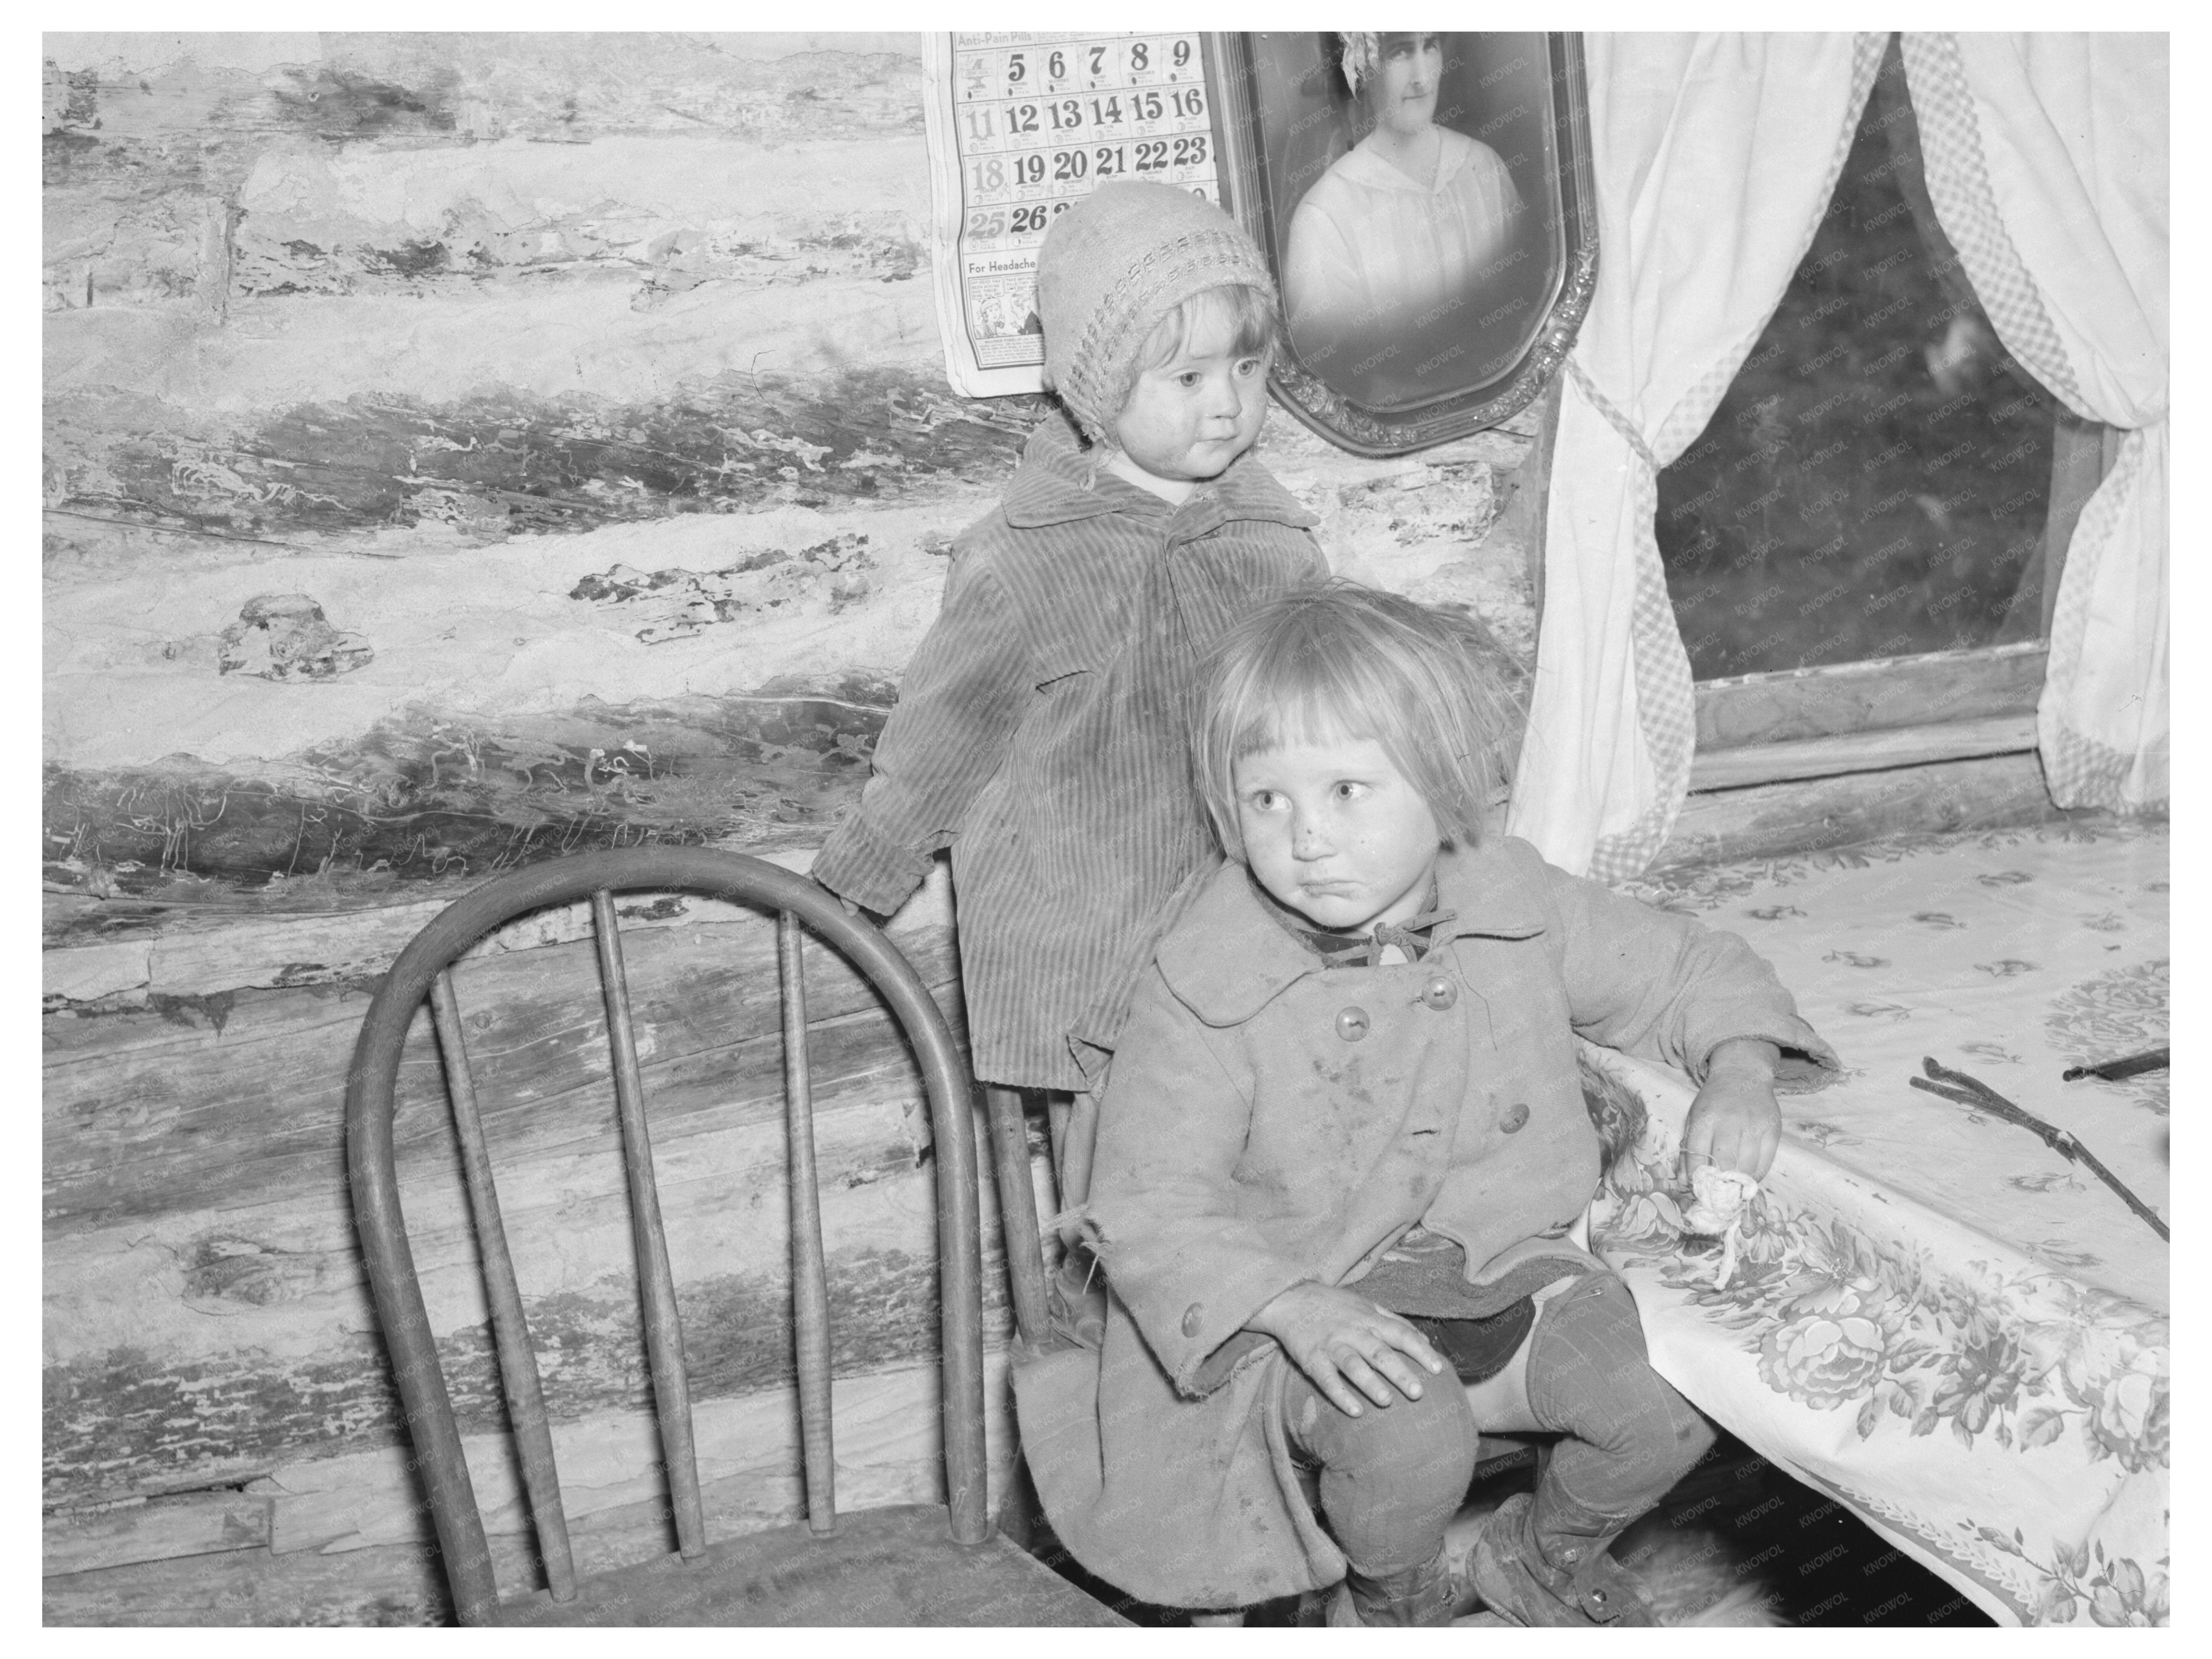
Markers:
point(1111, 268)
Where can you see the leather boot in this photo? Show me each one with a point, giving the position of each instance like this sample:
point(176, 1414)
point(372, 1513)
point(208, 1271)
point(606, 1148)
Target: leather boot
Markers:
point(1542, 1561)
point(1423, 1595)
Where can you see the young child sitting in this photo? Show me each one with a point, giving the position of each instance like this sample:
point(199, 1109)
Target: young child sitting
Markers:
point(1343, 1148)
point(1040, 730)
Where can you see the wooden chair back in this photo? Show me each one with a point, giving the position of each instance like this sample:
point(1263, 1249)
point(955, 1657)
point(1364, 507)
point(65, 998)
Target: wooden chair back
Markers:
point(422, 972)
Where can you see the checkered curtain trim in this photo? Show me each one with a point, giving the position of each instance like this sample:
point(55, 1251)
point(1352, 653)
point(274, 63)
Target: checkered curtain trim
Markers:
point(1959, 184)
point(1666, 707)
point(2090, 773)
point(2078, 770)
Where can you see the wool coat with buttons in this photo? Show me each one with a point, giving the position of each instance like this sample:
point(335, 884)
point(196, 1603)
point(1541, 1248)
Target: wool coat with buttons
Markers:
point(1268, 1122)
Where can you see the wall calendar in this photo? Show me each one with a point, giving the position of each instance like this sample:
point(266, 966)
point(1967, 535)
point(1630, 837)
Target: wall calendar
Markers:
point(1021, 126)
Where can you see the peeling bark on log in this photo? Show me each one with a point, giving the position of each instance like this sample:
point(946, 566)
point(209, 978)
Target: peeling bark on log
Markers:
point(501, 463)
point(424, 796)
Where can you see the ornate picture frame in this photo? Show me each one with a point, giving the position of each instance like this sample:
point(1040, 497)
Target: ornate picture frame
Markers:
point(1426, 203)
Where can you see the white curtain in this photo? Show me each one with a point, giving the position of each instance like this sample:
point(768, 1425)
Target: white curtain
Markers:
point(2046, 159)
point(1716, 154)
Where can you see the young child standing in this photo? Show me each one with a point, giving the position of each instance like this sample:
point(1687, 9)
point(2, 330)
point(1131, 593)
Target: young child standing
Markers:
point(1040, 730)
point(1344, 1145)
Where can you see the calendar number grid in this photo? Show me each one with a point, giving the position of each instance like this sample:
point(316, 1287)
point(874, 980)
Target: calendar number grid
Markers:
point(1038, 121)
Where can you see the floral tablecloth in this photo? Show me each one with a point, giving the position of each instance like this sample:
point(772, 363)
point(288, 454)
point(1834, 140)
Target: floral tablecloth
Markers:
point(1926, 1311)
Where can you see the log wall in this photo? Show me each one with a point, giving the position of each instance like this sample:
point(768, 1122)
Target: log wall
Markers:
point(590, 386)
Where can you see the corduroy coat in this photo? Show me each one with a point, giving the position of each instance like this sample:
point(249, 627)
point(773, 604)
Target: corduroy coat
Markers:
point(1267, 1122)
point(1040, 732)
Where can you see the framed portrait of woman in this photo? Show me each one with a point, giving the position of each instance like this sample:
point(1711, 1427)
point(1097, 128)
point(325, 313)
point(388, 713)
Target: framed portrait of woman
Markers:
point(1425, 200)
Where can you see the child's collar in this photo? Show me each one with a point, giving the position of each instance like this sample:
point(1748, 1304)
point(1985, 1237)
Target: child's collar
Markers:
point(1422, 932)
point(1227, 957)
point(1058, 482)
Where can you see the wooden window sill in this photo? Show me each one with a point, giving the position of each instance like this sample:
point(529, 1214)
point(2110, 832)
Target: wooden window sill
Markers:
point(1867, 716)
point(1863, 751)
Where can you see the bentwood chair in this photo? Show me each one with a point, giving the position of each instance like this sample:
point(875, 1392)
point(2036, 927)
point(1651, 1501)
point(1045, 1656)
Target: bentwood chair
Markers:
point(923, 1564)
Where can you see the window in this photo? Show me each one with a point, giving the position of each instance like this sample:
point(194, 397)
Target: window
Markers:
point(1864, 538)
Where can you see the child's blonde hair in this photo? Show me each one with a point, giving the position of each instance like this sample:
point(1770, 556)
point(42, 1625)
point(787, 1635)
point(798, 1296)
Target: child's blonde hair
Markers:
point(1250, 312)
point(1337, 660)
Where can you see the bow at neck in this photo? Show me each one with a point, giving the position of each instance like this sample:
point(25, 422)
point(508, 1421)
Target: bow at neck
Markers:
point(1358, 950)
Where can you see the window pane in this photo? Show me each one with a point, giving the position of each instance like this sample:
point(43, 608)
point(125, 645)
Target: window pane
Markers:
point(1875, 482)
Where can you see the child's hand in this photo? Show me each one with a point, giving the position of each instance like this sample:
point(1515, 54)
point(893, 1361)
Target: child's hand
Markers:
point(851, 909)
point(1734, 1123)
point(1339, 1337)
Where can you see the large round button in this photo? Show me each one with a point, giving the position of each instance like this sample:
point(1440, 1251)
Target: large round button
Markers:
point(1439, 993)
point(1515, 1115)
point(1192, 1317)
point(1352, 1025)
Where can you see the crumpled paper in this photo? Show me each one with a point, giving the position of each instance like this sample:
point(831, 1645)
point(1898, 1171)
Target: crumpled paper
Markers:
point(1717, 1201)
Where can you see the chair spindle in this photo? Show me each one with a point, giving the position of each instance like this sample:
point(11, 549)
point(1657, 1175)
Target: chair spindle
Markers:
point(1017, 1212)
point(517, 1364)
point(664, 1331)
point(810, 1281)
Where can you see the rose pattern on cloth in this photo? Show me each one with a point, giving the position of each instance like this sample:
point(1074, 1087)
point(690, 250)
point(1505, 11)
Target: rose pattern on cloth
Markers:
point(1840, 1320)
point(1930, 1314)
point(1821, 1360)
point(2013, 1364)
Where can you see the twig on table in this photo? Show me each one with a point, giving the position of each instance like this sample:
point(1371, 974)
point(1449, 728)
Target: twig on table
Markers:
point(1972, 1091)
point(2156, 1060)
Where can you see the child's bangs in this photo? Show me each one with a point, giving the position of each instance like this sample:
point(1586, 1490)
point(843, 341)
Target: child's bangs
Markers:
point(1247, 313)
point(1339, 663)
point(1251, 314)
point(1314, 687)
